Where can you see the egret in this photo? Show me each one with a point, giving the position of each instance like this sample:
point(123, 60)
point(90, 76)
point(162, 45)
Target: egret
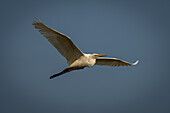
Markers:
point(74, 56)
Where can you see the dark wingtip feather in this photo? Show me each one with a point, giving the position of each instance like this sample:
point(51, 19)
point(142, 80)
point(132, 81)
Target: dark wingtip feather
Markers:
point(36, 21)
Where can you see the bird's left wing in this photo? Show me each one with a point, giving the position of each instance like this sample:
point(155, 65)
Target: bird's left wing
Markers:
point(60, 41)
point(113, 62)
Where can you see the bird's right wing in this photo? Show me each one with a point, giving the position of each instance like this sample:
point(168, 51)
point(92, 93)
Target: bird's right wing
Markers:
point(113, 62)
point(61, 42)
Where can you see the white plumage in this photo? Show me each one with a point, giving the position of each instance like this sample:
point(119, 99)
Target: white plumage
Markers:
point(75, 57)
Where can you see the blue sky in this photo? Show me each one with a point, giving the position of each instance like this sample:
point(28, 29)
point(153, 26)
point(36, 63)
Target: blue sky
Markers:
point(129, 30)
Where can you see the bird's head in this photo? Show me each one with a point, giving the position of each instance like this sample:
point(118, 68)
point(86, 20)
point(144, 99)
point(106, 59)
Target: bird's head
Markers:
point(97, 55)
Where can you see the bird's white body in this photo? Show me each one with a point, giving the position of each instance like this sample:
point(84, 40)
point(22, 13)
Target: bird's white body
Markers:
point(74, 56)
point(87, 60)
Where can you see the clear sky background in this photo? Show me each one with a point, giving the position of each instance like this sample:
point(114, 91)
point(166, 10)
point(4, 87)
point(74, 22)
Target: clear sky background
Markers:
point(125, 29)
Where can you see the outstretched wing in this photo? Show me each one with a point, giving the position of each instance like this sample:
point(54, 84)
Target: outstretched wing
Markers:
point(60, 41)
point(113, 62)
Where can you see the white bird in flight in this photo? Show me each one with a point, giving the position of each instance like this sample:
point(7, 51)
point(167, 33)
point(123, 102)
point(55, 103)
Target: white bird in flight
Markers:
point(74, 56)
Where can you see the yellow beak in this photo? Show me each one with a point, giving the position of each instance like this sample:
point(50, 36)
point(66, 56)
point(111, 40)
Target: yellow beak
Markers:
point(101, 55)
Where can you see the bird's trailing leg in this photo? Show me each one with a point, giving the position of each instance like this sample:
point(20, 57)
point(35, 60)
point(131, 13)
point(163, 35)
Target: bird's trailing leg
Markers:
point(66, 71)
